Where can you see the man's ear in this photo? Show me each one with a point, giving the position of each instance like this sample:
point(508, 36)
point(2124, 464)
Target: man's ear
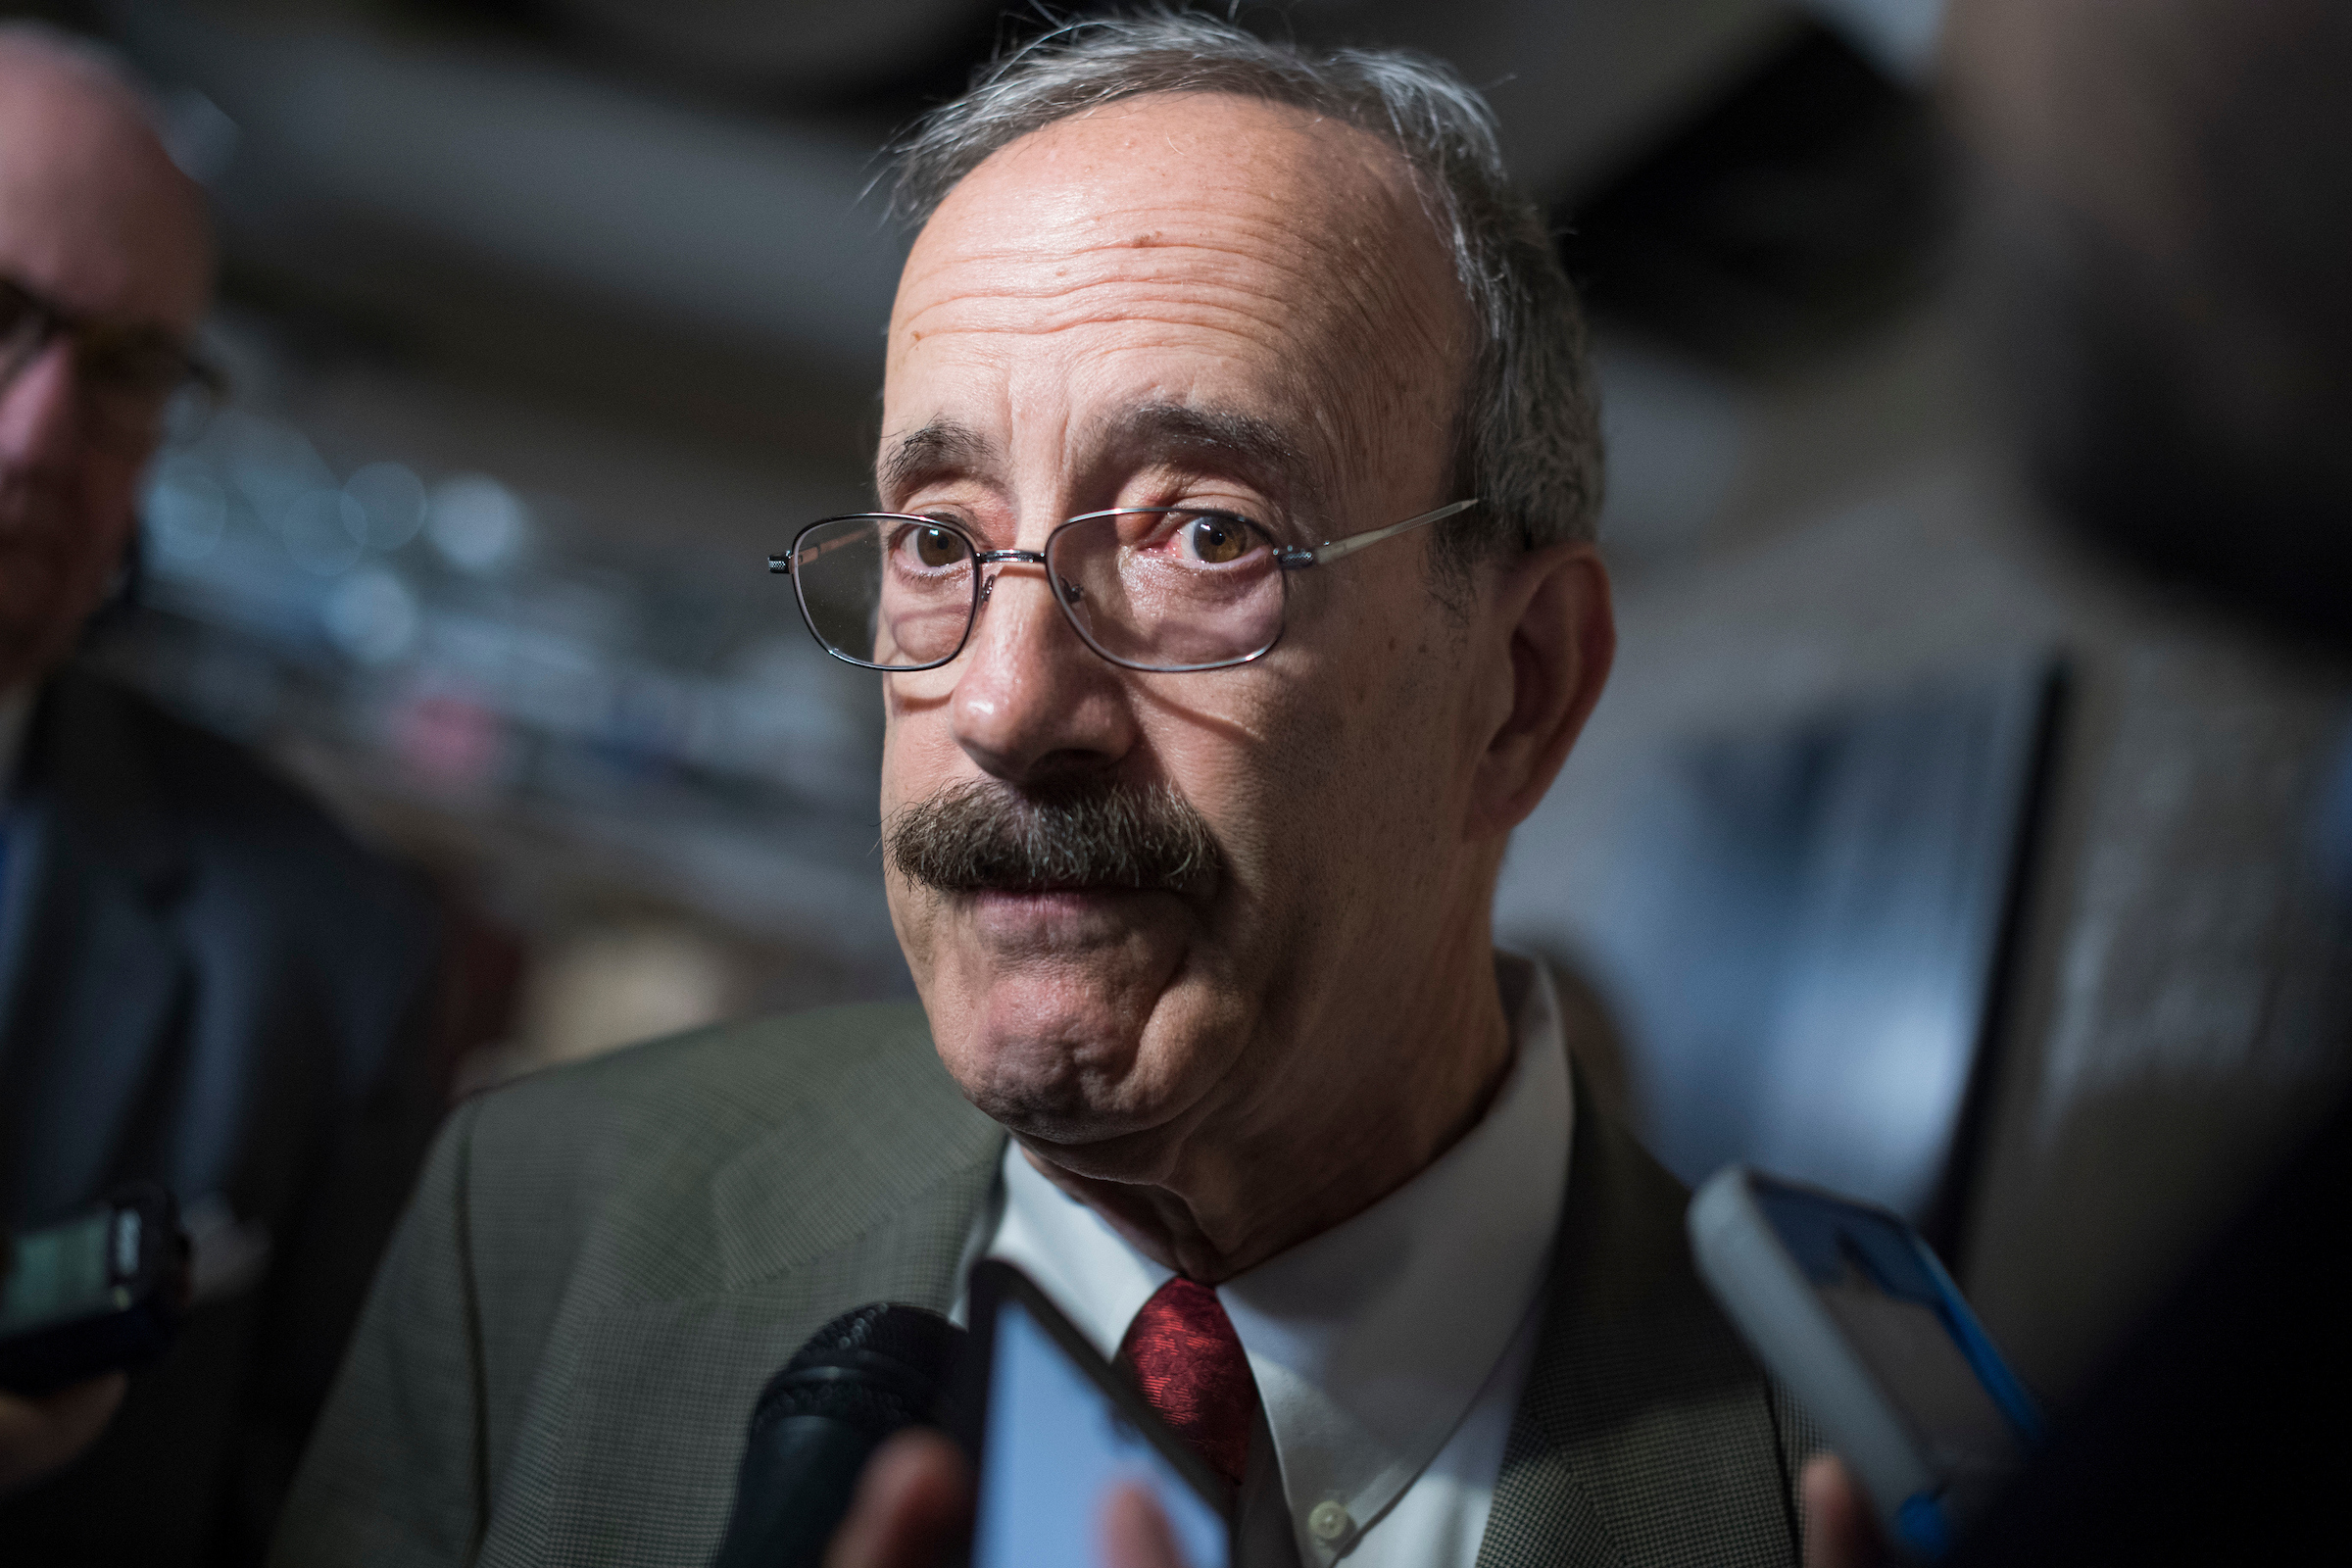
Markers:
point(1553, 607)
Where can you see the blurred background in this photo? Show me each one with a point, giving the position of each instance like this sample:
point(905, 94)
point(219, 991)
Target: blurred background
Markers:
point(1911, 850)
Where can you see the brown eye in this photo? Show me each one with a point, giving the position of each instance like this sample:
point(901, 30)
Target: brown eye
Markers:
point(1216, 540)
point(937, 548)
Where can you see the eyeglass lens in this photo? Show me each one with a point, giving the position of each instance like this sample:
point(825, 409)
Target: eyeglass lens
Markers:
point(129, 375)
point(24, 327)
point(1152, 590)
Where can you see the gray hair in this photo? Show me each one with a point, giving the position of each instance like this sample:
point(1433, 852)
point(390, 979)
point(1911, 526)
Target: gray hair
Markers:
point(1528, 436)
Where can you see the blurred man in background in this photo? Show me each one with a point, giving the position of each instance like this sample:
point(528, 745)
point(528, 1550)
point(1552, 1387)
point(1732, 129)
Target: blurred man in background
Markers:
point(203, 982)
point(2164, 218)
point(2163, 230)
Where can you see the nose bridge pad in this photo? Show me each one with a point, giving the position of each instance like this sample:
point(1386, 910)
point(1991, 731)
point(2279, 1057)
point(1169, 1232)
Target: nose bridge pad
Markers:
point(1057, 587)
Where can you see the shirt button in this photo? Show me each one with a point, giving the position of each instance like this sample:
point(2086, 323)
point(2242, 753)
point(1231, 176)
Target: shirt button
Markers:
point(1327, 1521)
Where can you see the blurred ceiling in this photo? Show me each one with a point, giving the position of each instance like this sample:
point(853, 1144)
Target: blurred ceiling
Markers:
point(1796, 210)
point(805, 49)
point(361, 150)
point(569, 181)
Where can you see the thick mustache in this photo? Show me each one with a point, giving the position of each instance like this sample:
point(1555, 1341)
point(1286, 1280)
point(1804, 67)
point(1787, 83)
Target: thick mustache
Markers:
point(978, 836)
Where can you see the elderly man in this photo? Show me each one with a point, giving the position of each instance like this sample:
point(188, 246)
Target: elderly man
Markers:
point(203, 983)
point(1233, 600)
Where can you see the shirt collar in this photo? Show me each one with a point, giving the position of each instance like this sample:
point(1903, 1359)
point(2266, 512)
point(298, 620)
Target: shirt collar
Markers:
point(1371, 1341)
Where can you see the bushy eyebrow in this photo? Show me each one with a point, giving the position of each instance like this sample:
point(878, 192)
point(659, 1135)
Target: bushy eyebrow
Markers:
point(941, 446)
point(1257, 449)
point(1260, 450)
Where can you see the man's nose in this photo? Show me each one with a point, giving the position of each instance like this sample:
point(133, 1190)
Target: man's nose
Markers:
point(40, 410)
point(1031, 700)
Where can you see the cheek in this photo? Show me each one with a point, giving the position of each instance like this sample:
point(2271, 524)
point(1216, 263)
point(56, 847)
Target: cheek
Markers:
point(1245, 748)
point(1373, 770)
point(72, 536)
point(107, 513)
point(920, 753)
point(1270, 761)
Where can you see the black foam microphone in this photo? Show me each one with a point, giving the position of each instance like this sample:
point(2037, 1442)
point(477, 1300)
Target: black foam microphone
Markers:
point(868, 1373)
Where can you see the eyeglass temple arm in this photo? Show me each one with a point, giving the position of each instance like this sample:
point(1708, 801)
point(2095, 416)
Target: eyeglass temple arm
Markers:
point(51, 322)
point(1337, 549)
point(781, 564)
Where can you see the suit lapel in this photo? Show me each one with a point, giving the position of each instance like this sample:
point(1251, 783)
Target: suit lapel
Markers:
point(865, 1190)
point(848, 1161)
point(96, 973)
point(1644, 1435)
point(86, 1051)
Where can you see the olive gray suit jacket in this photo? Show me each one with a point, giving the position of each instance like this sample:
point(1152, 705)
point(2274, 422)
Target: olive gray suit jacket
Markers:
point(604, 1264)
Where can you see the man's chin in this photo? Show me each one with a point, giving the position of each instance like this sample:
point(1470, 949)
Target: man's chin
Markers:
point(1041, 1002)
point(1045, 1059)
point(1095, 1102)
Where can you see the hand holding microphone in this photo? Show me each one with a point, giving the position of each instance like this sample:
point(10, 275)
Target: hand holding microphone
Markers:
point(873, 1371)
point(42, 1433)
point(848, 1463)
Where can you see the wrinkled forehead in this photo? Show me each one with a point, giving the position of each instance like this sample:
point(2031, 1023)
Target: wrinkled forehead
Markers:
point(93, 213)
point(1188, 249)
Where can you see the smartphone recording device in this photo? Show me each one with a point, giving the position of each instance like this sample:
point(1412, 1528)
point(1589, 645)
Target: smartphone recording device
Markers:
point(100, 1292)
point(1848, 1307)
point(1057, 1427)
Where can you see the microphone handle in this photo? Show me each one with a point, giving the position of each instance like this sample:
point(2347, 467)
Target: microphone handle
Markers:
point(790, 1526)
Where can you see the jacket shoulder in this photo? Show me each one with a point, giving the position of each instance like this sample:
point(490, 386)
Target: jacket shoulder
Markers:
point(667, 1139)
point(753, 1179)
point(742, 1074)
point(603, 1263)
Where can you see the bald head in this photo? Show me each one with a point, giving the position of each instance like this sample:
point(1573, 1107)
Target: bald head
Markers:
point(93, 213)
point(101, 228)
point(1195, 233)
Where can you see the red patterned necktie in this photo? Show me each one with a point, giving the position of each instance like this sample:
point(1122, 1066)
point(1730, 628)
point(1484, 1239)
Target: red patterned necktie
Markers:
point(1190, 1366)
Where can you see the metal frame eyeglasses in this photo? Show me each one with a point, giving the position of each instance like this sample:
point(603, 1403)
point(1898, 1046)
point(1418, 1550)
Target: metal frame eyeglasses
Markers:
point(129, 370)
point(1166, 590)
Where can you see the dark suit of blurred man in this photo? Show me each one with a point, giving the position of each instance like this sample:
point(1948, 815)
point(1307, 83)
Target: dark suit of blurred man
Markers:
point(203, 982)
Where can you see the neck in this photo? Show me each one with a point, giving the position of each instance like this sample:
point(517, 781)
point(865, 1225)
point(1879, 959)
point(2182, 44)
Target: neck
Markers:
point(1398, 1086)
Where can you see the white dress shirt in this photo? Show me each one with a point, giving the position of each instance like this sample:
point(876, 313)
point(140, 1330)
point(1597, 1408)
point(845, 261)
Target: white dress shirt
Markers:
point(1390, 1350)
